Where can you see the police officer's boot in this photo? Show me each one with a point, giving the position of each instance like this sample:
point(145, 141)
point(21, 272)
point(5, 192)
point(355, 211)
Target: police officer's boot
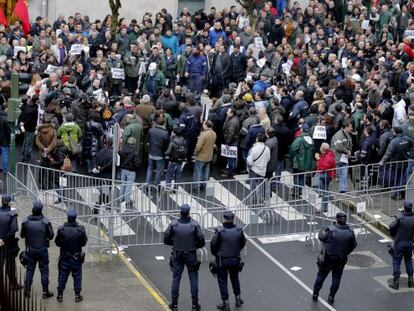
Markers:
point(27, 292)
point(47, 294)
point(59, 297)
point(315, 294)
point(331, 299)
point(196, 306)
point(78, 298)
point(224, 306)
point(395, 284)
point(410, 282)
point(173, 305)
point(239, 301)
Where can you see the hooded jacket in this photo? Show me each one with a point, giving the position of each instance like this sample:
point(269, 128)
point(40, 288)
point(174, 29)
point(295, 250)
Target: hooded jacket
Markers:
point(69, 131)
point(46, 137)
point(302, 153)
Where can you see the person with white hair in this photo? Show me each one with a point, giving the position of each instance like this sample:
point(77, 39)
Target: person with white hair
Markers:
point(326, 165)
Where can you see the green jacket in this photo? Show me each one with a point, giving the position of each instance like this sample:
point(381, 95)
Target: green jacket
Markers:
point(132, 64)
point(357, 118)
point(69, 131)
point(159, 81)
point(181, 62)
point(302, 153)
point(133, 129)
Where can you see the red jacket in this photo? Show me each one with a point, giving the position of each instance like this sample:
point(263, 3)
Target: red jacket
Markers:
point(408, 50)
point(327, 162)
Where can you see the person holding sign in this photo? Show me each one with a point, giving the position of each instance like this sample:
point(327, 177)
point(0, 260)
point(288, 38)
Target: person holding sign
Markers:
point(231, 130)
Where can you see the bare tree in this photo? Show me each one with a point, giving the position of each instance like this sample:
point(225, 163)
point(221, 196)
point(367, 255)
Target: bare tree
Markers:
point(115, 5)
point(251, 7)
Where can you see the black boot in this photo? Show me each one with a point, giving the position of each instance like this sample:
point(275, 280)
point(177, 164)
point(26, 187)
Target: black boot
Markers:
point(196, 306)
point(239, 301)
point(331, 299)
point(78, 298)
point(315, 294)
point(224, 306)
point(59, 297)
point(410, 282)
point(395, 284)
point(173, 305)
point(47, 294)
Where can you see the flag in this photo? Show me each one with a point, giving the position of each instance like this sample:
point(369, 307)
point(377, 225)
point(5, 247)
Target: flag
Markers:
point(21, 11)
point(3, 19)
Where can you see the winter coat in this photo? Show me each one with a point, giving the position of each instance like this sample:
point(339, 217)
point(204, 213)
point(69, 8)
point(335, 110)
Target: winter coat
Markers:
point(205, 146)
point(158, 139)
point(238, 67)
point(302, 152)
point(144, 111)
point(252, 133)
point(134, 129)
point(46, 137)
point(29, 117)
point(153, 84)
point(133, 63)
point(80, 114)
point(341, 144)
point(130, 158)
point(171, 152)
point(326, 163)
point(273, 145)
point(169, 104)
point(69, 131)
point(170, 42)
point(4, 130)
point(92, 141)
point(231, 129)
point(258, 158)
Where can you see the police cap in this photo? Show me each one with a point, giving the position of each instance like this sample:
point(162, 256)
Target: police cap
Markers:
point(6, 199)
point(228, 216)
point(71, 215)
point(341, 217)
point(408, 204)
point(185, 209)
point(37, 207)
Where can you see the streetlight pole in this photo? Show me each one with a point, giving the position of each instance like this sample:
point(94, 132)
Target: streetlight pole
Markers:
point(13, 113)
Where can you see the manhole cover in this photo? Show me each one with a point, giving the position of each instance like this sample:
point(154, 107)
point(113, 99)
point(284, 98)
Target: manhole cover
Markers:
point(360, 261)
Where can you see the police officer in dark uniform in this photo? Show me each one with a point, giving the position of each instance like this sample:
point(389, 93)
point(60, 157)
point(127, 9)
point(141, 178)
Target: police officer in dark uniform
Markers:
point(185, 236)
point(37, 232)
point(226, 245)
point(402, 230)
point(71, 237)
point(9, 248)
point(338, 242)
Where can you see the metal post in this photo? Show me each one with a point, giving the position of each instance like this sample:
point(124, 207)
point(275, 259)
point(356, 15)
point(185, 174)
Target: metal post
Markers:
point(114, 162)
point(12, 115)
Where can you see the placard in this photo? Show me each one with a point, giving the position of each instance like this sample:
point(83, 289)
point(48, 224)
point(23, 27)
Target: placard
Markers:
point(118, 73)
point(76, 49)
point(319, 132)
point(19, 48)
point(361, 207)
point(344, 158)
point(365, 24)
point(287, 66)
point(409, 33)
point(98, 94)
point(51, 69)
point(344, 64)
point(229, 151)
point(63, 182)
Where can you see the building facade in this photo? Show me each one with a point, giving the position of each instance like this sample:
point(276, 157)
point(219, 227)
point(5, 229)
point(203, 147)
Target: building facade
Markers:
point(130, 8)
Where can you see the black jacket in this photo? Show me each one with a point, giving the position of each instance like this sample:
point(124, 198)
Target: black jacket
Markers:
point(158, 139)
point(129, 158)
point(29, 117)
point(4, 130)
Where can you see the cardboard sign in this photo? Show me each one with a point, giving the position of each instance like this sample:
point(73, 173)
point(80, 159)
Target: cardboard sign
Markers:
point(118, 73)
point(319, 132)
point(361, 207)
point(409, 33)
point(229, 151)
point(365, 24)
point(98, 94)
point(287, 66)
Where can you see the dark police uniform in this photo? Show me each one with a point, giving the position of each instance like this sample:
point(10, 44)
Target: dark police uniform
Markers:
point(71, 237)
point(226, 245)
point(339, 241)
point(8, 229)
point(185, 236)
point(402, 230)
point(37, 231)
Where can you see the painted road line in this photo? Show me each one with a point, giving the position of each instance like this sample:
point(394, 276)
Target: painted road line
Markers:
point(232, 203)
point(182, 197)
point(160, 223)
point(301, 237)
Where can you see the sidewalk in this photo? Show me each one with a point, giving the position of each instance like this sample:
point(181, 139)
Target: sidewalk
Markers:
point(107, 285)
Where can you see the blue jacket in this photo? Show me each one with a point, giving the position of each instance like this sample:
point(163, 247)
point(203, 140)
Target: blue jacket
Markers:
point(261, 86)
point(170, 42)
point(299, 110)
point(196, 65)
point(252, 133)
point(214, 35)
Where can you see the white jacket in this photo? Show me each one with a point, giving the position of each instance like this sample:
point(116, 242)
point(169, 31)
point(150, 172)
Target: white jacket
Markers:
point(400, 114)
point(259, 156)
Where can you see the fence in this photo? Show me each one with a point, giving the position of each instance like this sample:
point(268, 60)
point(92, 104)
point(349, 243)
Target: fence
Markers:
point(11, 294)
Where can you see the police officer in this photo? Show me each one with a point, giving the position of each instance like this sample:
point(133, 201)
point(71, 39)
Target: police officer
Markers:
point(37, 232)
point(185, 236)
point(71, 237)
point(226, 245)
point(8, 242)
point(339, 241)
point(402, 230)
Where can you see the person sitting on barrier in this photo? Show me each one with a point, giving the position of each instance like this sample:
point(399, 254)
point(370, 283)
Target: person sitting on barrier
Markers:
point(338, 242)
point(185, 236)
point(37, 232)
point(71, 237)
point(402, 230)
point(226, 245)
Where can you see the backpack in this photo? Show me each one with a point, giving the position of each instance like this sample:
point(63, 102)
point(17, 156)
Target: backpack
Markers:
point(180, 153)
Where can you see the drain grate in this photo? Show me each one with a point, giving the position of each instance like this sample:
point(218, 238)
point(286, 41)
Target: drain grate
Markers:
point(361, 261)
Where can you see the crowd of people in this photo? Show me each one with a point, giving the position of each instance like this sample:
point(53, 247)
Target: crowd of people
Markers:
point(321, 89)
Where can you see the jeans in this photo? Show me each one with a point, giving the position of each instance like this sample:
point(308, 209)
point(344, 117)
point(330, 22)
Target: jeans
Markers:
point(228, 266)
point(5, 158)
point(324, 181)
point(158, 165)
point(402, 249)
point(127, 178)
point(68, 265)
point(298, 181)
point(232, 164)
point(201, 172)
point(342, 176)
point(174, 173)
point(179, 261)
point(40, 256)
point(196, 83)
point(27, 149)
point(334, 264)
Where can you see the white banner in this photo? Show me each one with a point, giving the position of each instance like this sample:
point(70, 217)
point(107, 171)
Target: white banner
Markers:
point(229, 151)
point(50, 69)
point(319, 132)
point(118, 73)
point(19, 48)
point(76, 49)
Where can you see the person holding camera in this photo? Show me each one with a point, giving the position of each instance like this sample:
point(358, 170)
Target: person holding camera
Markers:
point(185, 236)
point(402, 230)
point(226, 245)
point(71, 237)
